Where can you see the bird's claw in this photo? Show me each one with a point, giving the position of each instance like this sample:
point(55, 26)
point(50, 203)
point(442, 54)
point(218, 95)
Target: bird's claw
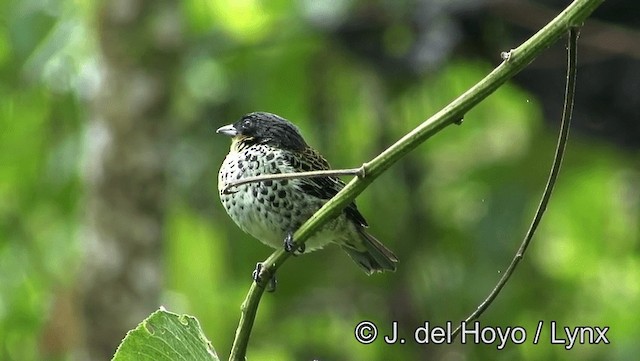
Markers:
point(259, 276)
point(291, 247)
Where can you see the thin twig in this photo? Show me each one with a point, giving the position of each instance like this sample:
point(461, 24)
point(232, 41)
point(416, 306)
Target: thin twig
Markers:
point(553, 175)
point(574, 15)
point(360, 172)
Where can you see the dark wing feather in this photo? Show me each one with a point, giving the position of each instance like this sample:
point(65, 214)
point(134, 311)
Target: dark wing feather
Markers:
point(321, 187)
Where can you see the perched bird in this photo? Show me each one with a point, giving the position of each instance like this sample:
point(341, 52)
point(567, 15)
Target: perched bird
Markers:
point(272, 210)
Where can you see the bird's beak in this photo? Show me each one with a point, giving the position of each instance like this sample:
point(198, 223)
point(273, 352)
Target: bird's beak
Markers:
point(229, 130)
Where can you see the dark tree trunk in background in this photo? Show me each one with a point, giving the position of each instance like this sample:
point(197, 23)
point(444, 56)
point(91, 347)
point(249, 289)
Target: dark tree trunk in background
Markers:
point(140, 42)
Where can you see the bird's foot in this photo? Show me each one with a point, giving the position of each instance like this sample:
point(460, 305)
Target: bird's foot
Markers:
point(261, 276)
point(291, 247)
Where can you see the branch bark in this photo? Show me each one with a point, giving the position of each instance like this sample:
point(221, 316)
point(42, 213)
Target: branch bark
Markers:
point(573, 16)
point(553, 176)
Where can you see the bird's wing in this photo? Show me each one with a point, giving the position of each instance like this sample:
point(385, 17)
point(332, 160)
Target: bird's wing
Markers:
point(321, 187)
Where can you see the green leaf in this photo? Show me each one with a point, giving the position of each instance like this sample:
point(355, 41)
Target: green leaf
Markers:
point(166, 336)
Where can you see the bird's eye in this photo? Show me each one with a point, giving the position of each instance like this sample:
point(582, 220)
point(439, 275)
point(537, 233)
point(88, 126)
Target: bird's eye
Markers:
point(246, 124)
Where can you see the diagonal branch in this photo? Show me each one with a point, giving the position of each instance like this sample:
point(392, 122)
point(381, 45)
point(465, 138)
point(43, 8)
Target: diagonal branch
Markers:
point(280, 176)
point(553, 175)
point(574, 15)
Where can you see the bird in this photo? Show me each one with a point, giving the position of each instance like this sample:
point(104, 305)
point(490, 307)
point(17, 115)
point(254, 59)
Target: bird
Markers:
point(272, 210)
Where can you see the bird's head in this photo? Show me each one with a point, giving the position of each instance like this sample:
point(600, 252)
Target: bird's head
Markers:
point(264, 128)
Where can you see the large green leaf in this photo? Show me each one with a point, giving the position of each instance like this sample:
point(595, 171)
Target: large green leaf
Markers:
point(165, 336)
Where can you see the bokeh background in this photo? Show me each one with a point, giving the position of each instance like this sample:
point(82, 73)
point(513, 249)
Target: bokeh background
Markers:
point(109, 159)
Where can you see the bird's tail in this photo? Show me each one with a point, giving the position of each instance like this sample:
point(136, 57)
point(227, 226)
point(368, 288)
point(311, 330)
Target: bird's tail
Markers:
point(371, 255)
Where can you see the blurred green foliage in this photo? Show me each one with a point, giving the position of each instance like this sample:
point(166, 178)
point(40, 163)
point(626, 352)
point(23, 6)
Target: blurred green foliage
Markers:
point(454, 210)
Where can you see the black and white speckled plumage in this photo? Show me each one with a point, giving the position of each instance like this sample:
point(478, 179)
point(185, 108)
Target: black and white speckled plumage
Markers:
point(264, 143)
